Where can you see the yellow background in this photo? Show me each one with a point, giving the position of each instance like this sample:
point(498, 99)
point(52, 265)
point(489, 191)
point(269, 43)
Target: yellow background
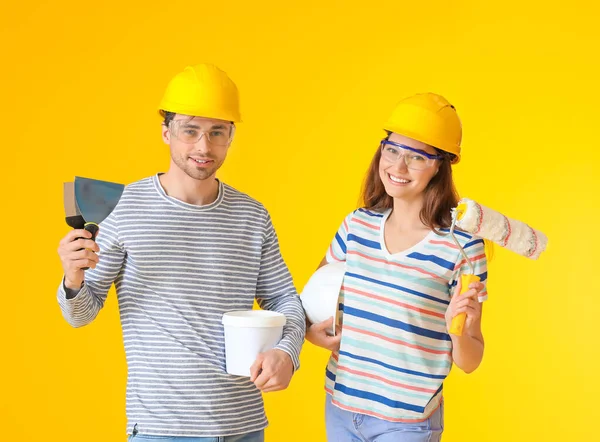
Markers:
point(80, 83)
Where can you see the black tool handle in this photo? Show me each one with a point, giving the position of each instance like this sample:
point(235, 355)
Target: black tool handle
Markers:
point(93, 229)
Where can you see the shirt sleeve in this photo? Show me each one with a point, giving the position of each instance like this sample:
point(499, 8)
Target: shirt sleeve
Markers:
point(275, 291)
point(337, 249)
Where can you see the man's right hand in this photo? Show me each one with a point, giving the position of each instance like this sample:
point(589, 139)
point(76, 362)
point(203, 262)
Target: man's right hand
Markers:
point(76, 251)
point(317, 334)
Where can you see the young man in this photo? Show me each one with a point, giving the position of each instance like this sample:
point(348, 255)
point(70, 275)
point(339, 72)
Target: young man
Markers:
point(183, 248)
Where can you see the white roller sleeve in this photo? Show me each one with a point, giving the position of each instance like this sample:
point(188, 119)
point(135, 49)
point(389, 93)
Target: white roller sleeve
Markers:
point(509, 233)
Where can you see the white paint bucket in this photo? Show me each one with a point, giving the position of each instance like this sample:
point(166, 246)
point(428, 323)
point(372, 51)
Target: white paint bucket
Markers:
point(248, 333)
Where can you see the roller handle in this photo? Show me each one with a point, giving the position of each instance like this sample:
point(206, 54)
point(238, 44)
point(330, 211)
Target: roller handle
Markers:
point(458, 322)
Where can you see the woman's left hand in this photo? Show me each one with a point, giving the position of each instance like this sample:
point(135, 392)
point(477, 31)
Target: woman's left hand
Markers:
point(467, 303)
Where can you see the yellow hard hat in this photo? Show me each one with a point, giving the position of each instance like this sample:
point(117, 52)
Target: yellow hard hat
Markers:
point(205, 91)
point(428, 118)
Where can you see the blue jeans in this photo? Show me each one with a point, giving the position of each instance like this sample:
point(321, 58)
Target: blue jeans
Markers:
point(345, 426)
point(255, 436)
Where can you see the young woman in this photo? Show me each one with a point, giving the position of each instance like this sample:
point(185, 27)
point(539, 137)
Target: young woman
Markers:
point(400, 291)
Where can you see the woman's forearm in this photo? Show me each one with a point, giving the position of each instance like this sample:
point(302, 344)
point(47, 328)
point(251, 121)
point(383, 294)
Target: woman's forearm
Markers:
point(467, 351)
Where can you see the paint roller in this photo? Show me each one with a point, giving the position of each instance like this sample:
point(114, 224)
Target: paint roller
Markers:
point(483, 222)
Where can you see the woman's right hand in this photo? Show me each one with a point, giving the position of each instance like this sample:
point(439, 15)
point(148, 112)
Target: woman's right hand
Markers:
point(317, 335)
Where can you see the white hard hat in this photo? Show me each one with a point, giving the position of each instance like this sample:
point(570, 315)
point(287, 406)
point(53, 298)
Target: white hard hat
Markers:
point(321, 292)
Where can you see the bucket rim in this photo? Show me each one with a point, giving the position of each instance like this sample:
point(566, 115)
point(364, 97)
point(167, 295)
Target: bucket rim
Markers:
point(253, 318)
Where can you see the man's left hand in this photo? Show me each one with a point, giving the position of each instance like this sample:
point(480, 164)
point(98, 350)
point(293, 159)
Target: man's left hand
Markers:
point(272, 371)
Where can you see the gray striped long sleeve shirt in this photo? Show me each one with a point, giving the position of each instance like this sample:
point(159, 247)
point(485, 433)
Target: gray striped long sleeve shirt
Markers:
point(177, 268)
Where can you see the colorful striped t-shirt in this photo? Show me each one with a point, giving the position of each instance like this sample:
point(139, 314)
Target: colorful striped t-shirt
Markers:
point(395, 350)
